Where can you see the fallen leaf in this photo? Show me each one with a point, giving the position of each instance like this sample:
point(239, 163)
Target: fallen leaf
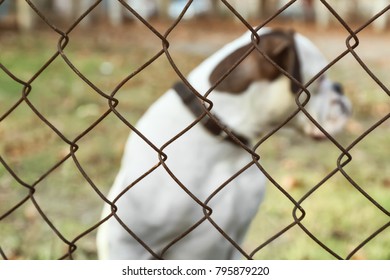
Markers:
point(386, 182)
point(290, 183)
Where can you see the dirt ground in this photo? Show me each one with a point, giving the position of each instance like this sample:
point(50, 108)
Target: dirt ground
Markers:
point(204, 36)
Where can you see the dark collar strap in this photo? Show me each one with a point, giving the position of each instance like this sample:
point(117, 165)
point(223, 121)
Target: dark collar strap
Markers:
point(214, 127)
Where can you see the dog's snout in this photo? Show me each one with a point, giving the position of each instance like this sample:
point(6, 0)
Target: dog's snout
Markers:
point(337, 87)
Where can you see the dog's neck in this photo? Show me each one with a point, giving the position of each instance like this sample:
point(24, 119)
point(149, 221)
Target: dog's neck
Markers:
point(247, 115)
point(210, 122)
point(250, 114)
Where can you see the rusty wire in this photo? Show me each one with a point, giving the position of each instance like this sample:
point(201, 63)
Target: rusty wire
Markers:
point(298, 212)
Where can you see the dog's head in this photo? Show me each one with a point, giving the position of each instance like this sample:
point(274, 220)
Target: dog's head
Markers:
point(257, 94)
point(328, 105)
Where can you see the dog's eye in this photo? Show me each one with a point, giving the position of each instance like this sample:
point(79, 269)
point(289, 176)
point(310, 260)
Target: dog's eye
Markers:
point(338, 88)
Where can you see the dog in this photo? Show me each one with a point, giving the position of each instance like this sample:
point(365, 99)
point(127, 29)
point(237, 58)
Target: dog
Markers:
point(185, 216)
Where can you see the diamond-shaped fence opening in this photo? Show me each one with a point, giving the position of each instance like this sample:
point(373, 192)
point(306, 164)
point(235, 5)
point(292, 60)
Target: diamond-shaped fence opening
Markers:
point(73, 86)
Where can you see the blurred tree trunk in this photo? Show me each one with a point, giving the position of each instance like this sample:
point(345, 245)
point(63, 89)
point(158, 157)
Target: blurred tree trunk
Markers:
point(163, 6)
point(24, 15)
point(115, 12)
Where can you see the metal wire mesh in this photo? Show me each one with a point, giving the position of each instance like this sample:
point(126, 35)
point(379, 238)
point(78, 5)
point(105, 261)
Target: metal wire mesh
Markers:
point(73, 144)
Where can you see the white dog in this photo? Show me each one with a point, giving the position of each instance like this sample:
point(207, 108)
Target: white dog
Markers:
point(255, 97)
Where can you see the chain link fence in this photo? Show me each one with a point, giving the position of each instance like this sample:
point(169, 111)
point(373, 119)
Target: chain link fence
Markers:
point(21, 197)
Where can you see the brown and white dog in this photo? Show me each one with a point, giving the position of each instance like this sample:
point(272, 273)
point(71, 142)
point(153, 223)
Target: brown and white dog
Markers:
point(250, 100)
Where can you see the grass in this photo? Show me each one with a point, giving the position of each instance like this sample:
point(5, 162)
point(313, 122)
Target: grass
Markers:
point(336, 212)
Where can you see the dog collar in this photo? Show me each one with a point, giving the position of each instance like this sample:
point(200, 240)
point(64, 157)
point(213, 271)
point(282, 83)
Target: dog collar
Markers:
point(212, 125)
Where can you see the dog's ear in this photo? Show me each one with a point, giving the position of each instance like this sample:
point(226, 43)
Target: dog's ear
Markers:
point(241, 77)
point(280, 47)
point(277, 45)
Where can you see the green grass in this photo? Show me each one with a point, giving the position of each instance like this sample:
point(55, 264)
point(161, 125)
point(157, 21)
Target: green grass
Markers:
point(336, 212)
